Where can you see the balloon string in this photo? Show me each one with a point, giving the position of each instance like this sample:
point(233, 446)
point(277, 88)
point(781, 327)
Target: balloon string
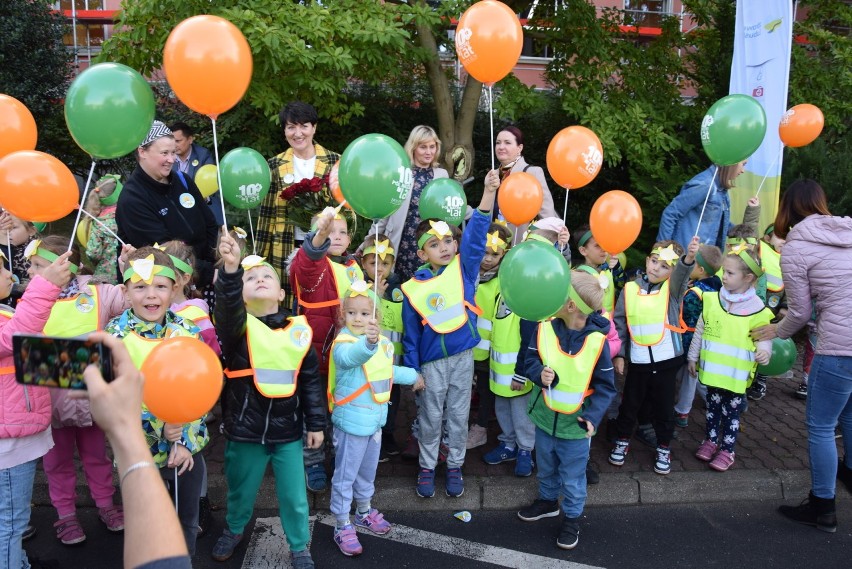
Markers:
point(565, 215)
point(9, 247)
point(376, 271)
point(176, 490)
point(104, 227)
point(218, 175)
point(82, 203)
point(251, 230)
point(709, 187)
point(777, 158)
point(491, 121)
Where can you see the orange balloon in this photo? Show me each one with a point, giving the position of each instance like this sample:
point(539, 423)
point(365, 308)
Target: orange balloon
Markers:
point(17, 126)
point(183, 378)
point(334, 185)
point(208, 64)
point(801, 125)
point(574, 157)
point(615, 221)
point(36, 186)
point(520, 197)
point(489, 39)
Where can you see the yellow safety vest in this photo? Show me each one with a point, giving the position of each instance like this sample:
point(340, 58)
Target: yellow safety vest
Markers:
point(440, 300)
point(391, 325)
point(647, 314)
point(343, 275)
point(139, 346)
point(378, 370)
point(74, 316)
point(700, 293)
point(727, 350)
point(505, 345)
point(193, 313)
point(486, 300)
point(770, 261)
point(275, 356)
point(609, 291)
point(574, 371)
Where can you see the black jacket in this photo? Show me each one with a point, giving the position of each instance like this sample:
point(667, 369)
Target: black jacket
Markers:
point(149, 212)
point(247, 415)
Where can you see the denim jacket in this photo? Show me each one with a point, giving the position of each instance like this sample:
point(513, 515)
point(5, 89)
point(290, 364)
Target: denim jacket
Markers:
point(680, 218)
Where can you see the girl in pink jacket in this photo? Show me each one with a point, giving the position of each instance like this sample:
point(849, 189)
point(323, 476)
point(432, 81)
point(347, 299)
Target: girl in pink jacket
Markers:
point(24, 411)
point(82, 307)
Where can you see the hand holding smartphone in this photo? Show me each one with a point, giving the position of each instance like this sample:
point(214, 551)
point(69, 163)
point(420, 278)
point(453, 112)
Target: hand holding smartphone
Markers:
point(47, 361)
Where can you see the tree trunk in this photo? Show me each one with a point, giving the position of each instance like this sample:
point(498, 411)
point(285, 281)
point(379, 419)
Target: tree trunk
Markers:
point(463, 149)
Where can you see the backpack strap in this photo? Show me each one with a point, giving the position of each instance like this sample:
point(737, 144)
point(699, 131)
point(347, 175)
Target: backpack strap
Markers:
point(527, 167)
point(182, 179)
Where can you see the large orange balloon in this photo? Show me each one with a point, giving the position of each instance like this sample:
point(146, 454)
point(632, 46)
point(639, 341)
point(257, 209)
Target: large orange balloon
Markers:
point(574, 157)
point(36, 186)
point(489, 39)
point(17, 126)
point(183, 378)
point(615, 221)
point(801, 125)
point(334, 185)
point(208, 64)
point(519, 198)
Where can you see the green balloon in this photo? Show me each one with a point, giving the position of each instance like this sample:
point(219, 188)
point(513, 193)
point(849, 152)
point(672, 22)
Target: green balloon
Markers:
point(82, 355)
point(375, 175)
point(444, 199)
point(534, 280)
point(733, 129)
point(782, 360)
point(245, 178)
point(109, 109)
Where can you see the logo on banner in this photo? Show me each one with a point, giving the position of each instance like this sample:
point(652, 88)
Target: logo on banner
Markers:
point(757, 92)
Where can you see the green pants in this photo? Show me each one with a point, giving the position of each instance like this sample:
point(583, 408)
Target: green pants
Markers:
point(245, 465)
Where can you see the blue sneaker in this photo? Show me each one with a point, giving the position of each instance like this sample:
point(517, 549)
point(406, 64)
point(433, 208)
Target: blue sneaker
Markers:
point(525, 464)
point(454, 482)
point(500, 454)
point(315, 478)
point(426, 483)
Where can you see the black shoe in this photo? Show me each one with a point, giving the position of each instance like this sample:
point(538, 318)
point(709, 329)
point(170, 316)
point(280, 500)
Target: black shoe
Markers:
point(31, 532)
point(203, 516)
point(540, 509)
point(757, 391)
point(802, 391)
point(813, 511)
point(844, 474)
point(569, 535)
point(645, 434)
point(592, 476)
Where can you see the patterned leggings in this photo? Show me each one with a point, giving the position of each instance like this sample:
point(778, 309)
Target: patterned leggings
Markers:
point(723, 417)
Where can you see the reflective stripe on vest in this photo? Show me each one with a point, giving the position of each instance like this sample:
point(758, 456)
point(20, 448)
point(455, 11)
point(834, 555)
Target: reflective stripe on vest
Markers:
point(770, 260)
point(378, 372)
point(505, 344)
point(608, 301)
point(74, 316)
point(440, 300)
point(574, 371)
point(275, 356)
point(727, 351)
point(647, 314)
point(343, 275)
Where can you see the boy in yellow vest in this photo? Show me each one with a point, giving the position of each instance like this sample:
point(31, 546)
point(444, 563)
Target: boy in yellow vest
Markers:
point(439, 316)
point(568, 359)
point(647, 317)
point(272, 388)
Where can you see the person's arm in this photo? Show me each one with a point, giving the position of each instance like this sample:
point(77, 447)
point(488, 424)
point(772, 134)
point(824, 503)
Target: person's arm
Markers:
point(619, 318)
point(695, 346)
point(613, 340)
point(751, 215)
point(229, 314)
point(313, 398)
point(349, 355)
point(533, 364)
point(797, 287)
point(603, 383)
point(473, 244)
point(679, 281)
point(151, 527)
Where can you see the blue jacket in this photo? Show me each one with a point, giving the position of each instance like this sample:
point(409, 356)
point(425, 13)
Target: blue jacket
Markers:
point(693, 305)
point(361, 417)
point(680, 218)
point(422, 344)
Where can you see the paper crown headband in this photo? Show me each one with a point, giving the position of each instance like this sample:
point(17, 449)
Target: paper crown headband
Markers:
point(742, 251)
point(239, 232)
point(381, 249)
point(255, 261)
point(179, 263)
point(144, 270)
point(494, 242)
point(35, 248)
point(111, 199)
point(581, 304)
point(361, 288)
point(439, 229)
point(667, 254)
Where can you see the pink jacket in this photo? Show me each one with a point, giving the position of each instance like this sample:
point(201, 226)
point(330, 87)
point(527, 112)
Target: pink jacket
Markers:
point(613, 339)
point(69, 412)
point(24, 410)
point(816, 264)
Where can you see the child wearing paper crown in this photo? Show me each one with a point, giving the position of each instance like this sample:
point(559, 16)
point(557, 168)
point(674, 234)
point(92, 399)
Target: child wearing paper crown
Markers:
point(15, 235)
point(101, 246)
point(150, 284)
point(263, 413)
point(378, 259)
point(320, 274)
point(498, 243)
point(569, 362)
point(25, 434)
point(361, 373)
point(724, 354)
point(439, 316)
point(82, 308)
point(647, 317)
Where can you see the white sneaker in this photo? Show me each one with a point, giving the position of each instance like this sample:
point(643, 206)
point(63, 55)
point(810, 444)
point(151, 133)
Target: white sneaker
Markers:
point(476, 436)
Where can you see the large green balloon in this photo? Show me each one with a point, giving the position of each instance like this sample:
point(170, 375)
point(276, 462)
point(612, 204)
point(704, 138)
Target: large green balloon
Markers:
point(109, 109)
point(733, 129)
point(375, 175)
point(444, 199)
point(534, 280)
point(782, 360)
point(245, 178)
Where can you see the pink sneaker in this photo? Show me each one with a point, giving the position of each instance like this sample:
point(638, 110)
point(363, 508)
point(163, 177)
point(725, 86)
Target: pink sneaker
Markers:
point(69, 531)
point(112, 517)
point(723, 461)
point(706, 451)
point(347, 540)
point(374, 521)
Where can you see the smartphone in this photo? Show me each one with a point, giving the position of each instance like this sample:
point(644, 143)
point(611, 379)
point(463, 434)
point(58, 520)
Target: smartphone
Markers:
point(47, 361)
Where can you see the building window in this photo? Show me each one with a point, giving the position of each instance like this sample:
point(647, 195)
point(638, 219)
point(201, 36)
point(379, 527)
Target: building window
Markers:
point(648, 13)
point(89, 34)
